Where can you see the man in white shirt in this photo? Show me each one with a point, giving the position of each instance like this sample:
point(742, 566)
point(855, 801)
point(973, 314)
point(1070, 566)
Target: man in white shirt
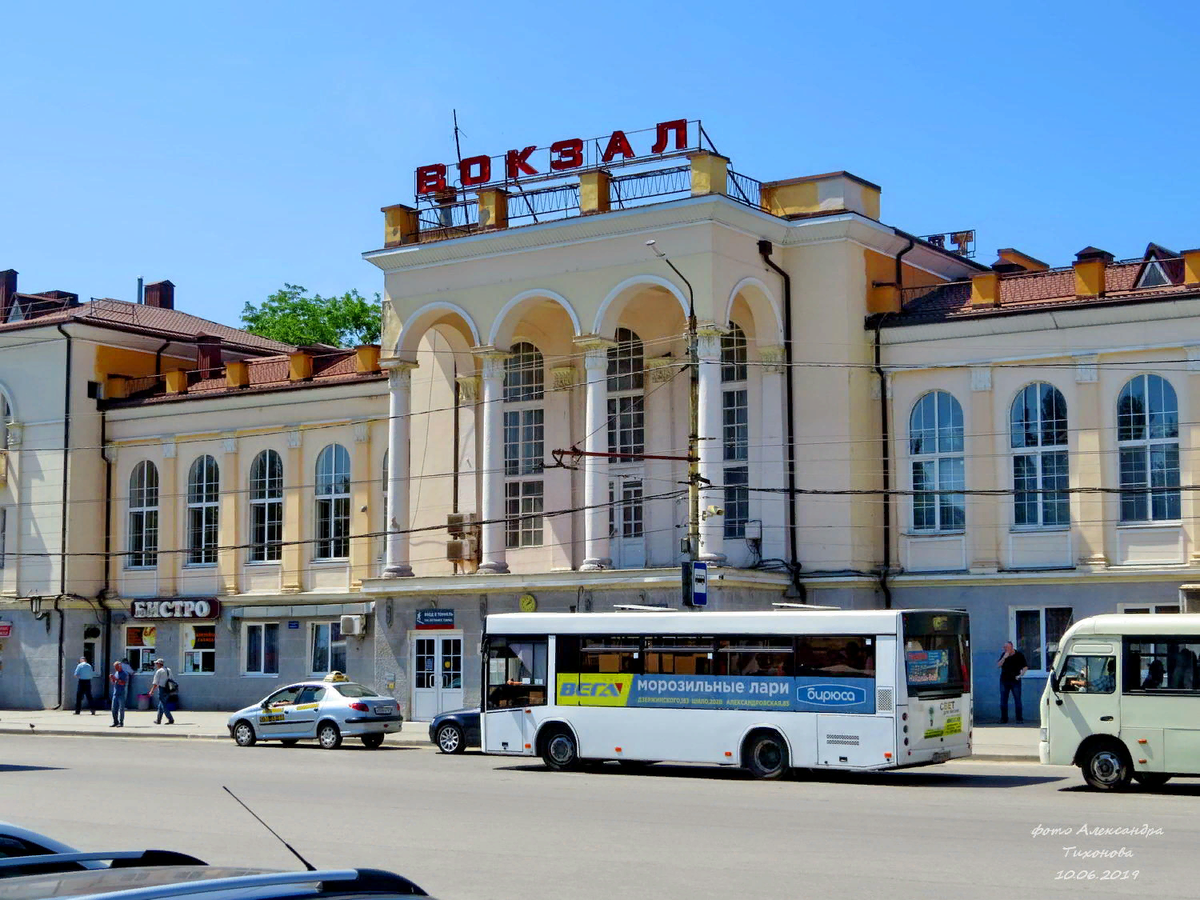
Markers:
point(158, 691)
point(83, 685)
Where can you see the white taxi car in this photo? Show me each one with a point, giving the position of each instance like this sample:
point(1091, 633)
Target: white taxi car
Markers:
point(327, 710)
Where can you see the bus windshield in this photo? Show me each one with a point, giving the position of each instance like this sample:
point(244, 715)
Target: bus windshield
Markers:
point(937, 653)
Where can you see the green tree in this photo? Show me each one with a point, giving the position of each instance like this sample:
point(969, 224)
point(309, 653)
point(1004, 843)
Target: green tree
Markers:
point(291, 316)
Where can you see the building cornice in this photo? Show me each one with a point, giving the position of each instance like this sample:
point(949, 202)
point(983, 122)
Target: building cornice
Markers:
point(603, 580)
point(659, 217)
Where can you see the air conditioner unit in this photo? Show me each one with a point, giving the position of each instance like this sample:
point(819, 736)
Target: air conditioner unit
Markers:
point(458, 524)
point(354, 625)
point(460, 550)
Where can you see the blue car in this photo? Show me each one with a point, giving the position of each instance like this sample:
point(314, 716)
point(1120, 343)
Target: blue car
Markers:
point(454, 731)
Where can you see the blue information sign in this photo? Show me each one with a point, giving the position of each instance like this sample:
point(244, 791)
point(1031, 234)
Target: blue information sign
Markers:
point(435, 618)
point(699, 584)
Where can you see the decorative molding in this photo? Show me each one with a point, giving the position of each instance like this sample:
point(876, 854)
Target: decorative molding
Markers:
point(1086, 366)
point(230, 441)
point(662, 369)
point(981, 378)
point(468, 389)
point(492, 360)
point(168, 448)
point(16, 434)
point(774, 359)
point(1193, 358)
point(563, 378)
point(400, 376)
point(293, 438)
point(708, 341)
point(595, 351)
point(362, 432)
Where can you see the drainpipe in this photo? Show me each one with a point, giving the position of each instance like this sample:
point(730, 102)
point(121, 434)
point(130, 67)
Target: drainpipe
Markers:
point(885, 436)
point(62, 564)
point(104, 590)
point(764, 248)
point(158, 355)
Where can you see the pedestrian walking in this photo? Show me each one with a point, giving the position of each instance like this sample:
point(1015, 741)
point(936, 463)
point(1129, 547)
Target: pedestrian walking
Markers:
point(158, 691)
point(83, 685)
point(1012, 666)
point(117, 680)
point(128, 670)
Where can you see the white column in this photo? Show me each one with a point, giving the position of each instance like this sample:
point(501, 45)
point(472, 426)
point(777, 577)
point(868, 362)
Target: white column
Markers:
point(597, 554)
point(711, 432)
point(772, 468)
point(492, 553)
point(399, 409)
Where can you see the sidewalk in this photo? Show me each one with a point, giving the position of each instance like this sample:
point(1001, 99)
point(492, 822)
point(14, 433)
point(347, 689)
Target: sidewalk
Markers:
point(195, 724)
point(999, 743)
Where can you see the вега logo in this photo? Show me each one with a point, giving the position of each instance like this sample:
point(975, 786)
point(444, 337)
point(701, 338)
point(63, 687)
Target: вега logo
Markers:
point(831, 694)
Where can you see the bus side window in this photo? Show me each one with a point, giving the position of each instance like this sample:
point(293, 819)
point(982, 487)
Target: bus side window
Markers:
point(608, 656)
point(759, 657)
point(670, 655)
point(516, 672)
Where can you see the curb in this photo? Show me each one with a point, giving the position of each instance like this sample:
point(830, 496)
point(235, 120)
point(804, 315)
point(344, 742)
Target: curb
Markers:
point(160, 735)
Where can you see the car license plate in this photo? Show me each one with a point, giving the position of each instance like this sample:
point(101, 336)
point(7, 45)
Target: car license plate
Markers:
point(941, 756)
point(384, 710)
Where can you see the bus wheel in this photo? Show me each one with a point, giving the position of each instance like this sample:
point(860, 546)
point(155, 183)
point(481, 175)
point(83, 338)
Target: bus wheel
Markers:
point(559, 751)
point(766, 755)
point(1151, 779)
point(1106, 767)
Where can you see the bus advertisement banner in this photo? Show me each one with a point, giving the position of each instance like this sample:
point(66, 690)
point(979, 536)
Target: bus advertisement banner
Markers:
point(800, 694)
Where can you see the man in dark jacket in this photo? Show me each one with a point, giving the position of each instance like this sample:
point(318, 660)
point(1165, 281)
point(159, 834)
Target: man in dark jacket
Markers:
point(1012, 666)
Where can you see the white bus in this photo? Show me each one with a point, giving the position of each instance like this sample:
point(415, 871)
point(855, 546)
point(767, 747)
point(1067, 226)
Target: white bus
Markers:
point(1123, 700)
point(765, 690)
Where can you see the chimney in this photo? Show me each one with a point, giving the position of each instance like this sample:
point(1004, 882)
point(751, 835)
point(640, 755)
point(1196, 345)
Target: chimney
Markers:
point(8, 287)
point(160, 294)
point(366, 359)
point(67, 297)
point(1089, 266)
point(1012, 260)
point(300, 366)
point(237, 374)
point(208, 355)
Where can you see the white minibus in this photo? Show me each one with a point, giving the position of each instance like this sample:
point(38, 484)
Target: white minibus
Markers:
point(1123, 700)
point(767, 690)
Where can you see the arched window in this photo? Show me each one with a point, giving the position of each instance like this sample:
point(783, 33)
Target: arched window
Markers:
point(935, 441)
point(524, 445)
point(1038, 435)
point(143, 517)
point(6, 412)
point(266, 507)
point(202, 510)
point(1148, 442)
point(333, 503)
point(626, 401)
point(735, 411)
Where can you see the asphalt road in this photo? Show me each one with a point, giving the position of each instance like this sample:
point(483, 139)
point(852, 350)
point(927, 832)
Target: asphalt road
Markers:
point(488, 827)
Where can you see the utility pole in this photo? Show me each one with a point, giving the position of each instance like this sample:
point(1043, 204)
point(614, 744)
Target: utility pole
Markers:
point(693, 454)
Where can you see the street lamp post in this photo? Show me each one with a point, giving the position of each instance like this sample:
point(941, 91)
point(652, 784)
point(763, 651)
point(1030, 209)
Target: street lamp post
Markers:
point(693, 352)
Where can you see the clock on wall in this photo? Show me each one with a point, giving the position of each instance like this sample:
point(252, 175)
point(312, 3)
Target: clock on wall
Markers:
point(528, 603)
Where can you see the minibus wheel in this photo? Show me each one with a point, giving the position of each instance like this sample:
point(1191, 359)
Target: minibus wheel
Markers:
point(766, 755)
point(559, 750)
point(1151, 779)
point(1106, 767)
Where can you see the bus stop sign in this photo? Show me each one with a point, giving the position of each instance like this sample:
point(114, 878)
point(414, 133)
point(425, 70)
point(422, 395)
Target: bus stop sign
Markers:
point(695, 583)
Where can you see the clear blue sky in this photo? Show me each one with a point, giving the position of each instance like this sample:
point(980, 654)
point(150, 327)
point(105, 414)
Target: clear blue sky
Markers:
point(233, 147)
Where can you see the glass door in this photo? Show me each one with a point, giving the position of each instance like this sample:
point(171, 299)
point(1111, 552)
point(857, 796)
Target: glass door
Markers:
point(437, 675)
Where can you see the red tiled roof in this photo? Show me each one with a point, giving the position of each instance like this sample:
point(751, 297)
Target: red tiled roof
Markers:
point(265, 374)
point(141, 319)
point(1037, 291)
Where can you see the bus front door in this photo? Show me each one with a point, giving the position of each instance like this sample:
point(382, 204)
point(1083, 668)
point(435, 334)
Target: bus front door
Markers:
point(1087, 692)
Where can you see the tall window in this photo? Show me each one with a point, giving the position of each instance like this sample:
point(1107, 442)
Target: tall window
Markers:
point(328, 648)
point(333, 503)
point(1148, 441)
point(935, 440)
point(202, 507)
point(6, 411)
point(626, 400)
point(735, 411)
point(143, 517)
point(266, 507)
point(261, 644)
point(1037, 632)
point(524, 446)
point(1038, 434)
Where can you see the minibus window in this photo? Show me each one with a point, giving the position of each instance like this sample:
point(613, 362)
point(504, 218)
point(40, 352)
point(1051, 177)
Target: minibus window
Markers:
point(1088, 675)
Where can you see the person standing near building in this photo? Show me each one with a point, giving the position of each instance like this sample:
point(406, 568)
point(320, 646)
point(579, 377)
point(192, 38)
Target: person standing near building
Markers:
point(158, 691)
point(1012, 666)
point(83, 685)
point(117, 680)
